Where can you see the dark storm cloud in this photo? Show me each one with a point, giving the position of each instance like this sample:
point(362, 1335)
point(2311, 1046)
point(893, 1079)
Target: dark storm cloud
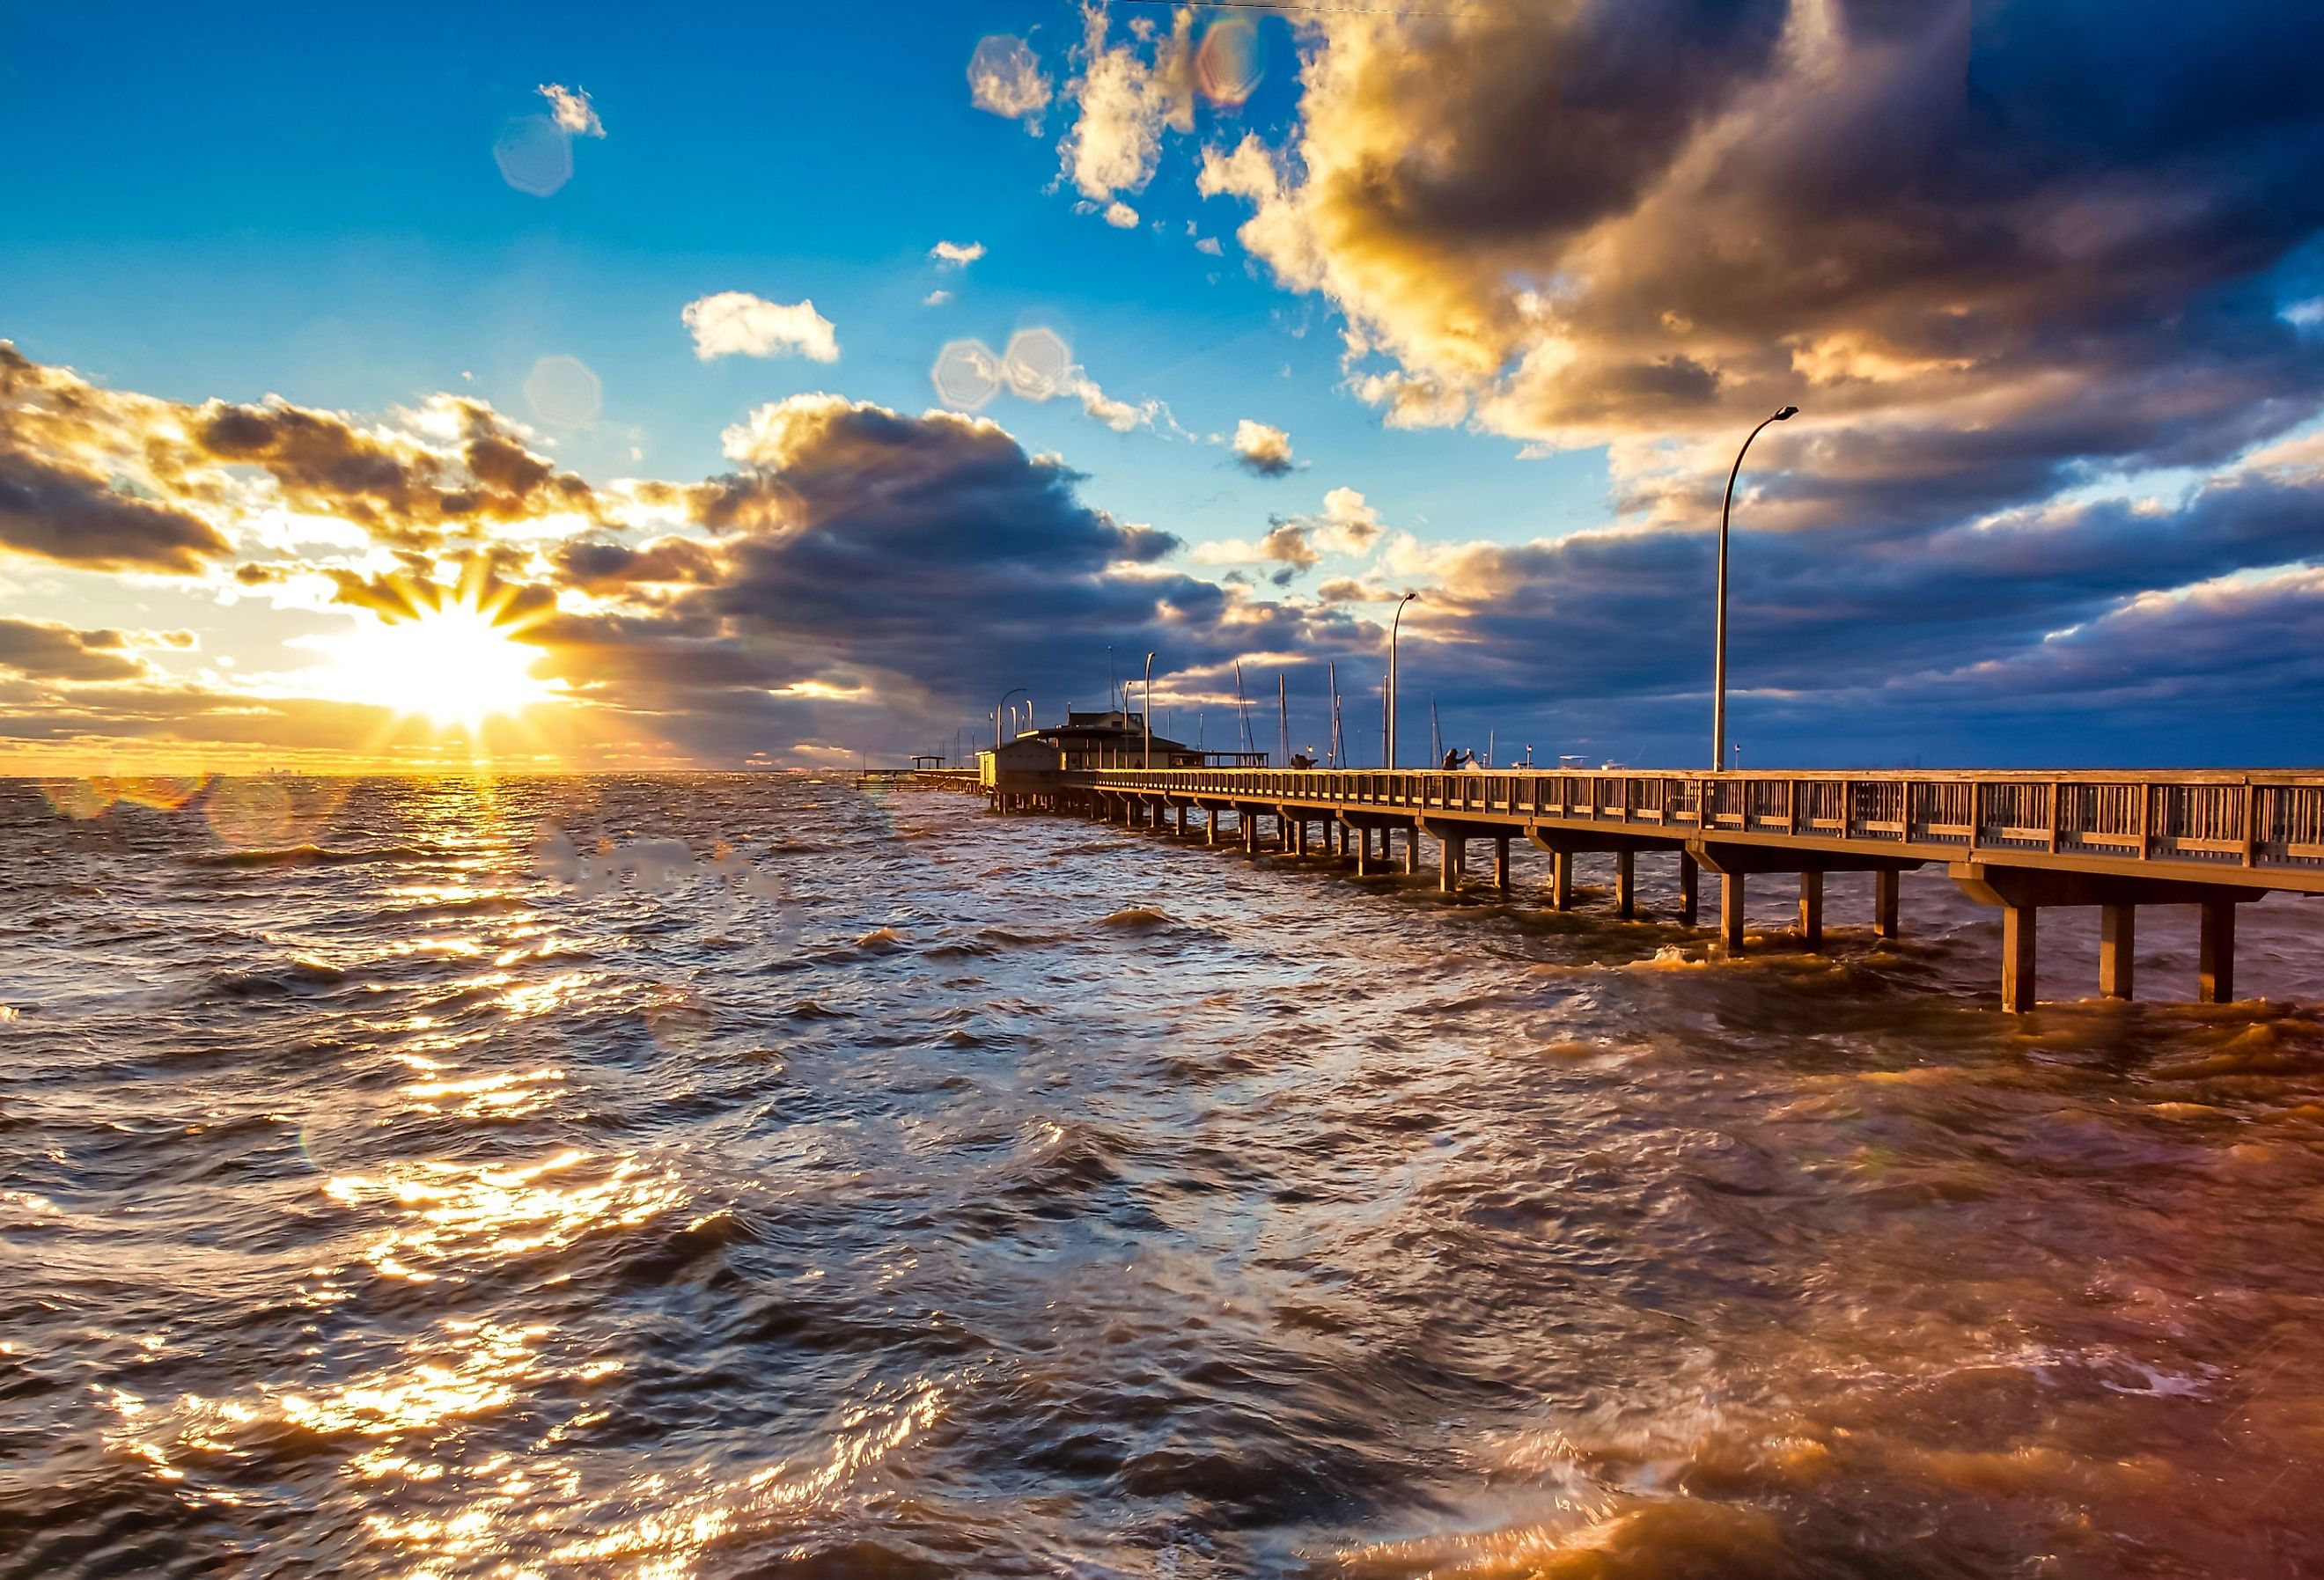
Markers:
point(877, 567)
point(597, 566)
point(1920, 640)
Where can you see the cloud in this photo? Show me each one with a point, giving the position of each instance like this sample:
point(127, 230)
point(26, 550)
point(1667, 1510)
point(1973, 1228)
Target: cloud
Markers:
point(43, 649)
point(956, 254)
point(936, 299)
point(1646, 225)
point(457, 469)
point(603, 566)
point(1122, 416)
point(1287, 544)
point(63, 444)
point(1005, 78)
point(736, 323)
point(914, 564)
point(1346, 525)
point(1121, 215)
point(1123, 101)
point(1262, 450)
point(570, 108)
point(75, 518)
point(859, 577)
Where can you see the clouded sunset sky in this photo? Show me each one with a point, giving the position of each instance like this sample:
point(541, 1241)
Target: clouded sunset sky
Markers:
point(611, 387)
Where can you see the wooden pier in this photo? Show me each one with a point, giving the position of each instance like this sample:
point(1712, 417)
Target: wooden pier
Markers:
point(2023, 842)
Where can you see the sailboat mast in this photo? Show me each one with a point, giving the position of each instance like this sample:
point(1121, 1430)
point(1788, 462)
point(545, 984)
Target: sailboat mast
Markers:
point(1332, 685)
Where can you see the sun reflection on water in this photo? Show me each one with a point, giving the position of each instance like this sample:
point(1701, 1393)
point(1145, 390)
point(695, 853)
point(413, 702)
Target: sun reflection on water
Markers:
point(456, 1213)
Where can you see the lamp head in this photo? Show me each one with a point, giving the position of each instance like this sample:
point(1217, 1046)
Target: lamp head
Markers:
point(1787, 413)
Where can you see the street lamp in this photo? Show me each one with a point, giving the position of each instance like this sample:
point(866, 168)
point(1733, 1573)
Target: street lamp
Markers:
point(1392, 627)
point(1148, 718)
point(1004, 703)
point(1718, 665)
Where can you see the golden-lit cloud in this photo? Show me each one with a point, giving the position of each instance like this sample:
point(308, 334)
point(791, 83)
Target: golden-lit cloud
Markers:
point(736, 323)
point(1261, 448)
point(1645, 226)
point(66, 448)
point(570, 108)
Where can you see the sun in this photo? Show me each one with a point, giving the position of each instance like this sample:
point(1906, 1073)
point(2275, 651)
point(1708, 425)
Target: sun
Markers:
point(455, 664)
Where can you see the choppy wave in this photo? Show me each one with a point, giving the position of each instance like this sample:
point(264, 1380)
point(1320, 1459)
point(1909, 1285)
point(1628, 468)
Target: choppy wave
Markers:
point(308, 855)
point(1021, 1197)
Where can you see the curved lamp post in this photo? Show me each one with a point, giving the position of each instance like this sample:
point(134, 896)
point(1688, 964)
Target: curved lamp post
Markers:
point(1718, 663)
point(1147, 716)
point(1005, 695)
point(1392, 631)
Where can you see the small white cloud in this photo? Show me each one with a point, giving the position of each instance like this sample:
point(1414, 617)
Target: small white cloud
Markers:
point(1210, 244)
point(1262, 449)
point(570, 108)
point(736, 323)
point(1005, 77)
point(1349, 525)
point(936, 299)
point(956, 254)
point(1121, 215)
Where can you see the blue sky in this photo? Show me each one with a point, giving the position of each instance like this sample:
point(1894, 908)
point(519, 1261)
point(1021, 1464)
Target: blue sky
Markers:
point(245, 219)
point(1512, 283)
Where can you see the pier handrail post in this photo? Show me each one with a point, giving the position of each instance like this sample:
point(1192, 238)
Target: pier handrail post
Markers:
point(1718, 659)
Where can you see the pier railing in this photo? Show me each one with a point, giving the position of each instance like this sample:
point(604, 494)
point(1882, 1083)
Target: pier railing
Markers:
point(2270, 820)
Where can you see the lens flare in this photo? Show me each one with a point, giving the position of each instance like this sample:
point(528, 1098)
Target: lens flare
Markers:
point(1036, 363)
point(1229, 62)
point(273, 814)
point(79, 799)
point(535, 154)
point(966, 375)
point(564, 391)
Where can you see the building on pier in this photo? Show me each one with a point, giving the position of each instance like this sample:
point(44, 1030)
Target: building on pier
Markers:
point(1029, 770)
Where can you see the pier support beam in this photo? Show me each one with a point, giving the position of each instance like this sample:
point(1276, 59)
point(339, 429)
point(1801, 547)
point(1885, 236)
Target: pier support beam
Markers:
point(1247, 821)
point(2019, 890)
point(1561, 880)
point(1885, 887)
point(1730, 912)
point(1210, 826)
point(1501, 863)
point(2118, 949)
point(1734, 859)
point(1449, 861)
point(1687, 869)
point(2017, 957)
point(1412, 851)
point(1625, 884)
point(2215, 965)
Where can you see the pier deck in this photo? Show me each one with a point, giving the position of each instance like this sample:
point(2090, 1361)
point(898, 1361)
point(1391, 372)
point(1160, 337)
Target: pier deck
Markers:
point(2020, 841)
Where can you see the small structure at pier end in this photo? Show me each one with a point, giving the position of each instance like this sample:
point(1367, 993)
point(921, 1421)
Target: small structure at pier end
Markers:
point(1028, 774)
